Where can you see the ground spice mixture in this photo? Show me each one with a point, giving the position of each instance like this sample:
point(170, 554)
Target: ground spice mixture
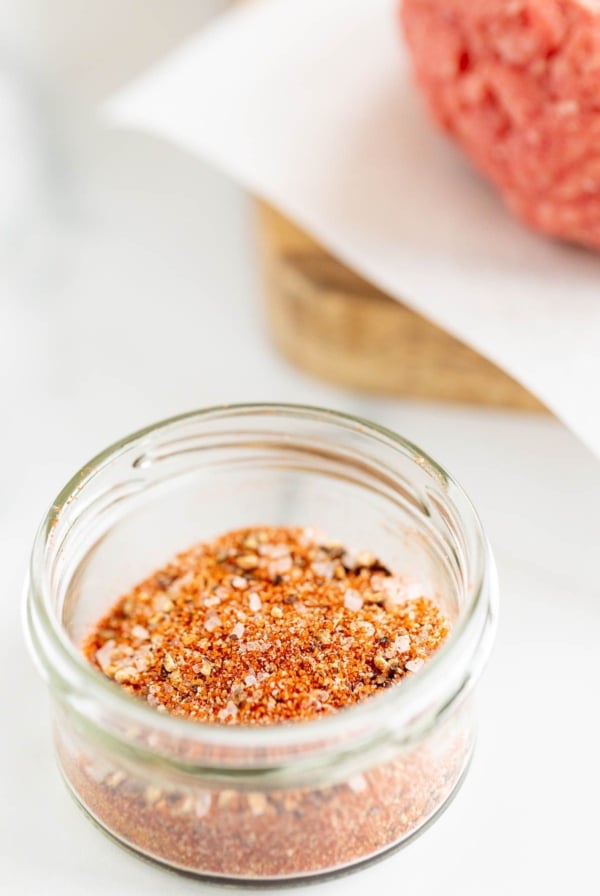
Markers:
point(265, 625)
point(257, 627)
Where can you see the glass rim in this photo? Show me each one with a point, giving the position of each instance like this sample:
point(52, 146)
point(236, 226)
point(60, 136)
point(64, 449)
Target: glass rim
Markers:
point(474, 625)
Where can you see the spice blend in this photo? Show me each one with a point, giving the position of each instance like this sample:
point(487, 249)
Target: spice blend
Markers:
point(263, 626)
point(258, 627)
point(270, 835)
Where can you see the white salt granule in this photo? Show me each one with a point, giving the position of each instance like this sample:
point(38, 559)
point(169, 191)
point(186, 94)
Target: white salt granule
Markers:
point(413, 665)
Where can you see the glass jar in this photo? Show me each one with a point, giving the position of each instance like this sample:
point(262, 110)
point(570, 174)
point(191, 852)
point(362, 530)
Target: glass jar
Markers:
point(280, 802)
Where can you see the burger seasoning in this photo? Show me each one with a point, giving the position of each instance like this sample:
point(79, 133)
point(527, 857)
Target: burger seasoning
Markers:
point(264, 626)
point(258, 627)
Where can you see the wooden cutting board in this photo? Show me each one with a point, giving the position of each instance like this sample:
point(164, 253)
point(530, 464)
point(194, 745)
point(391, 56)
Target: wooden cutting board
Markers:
point(330, 322)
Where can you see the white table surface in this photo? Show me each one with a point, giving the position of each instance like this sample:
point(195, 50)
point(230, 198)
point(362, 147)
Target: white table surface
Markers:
point(151, 307)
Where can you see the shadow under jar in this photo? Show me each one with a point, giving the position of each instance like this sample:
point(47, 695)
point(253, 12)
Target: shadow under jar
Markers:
point(289, 800)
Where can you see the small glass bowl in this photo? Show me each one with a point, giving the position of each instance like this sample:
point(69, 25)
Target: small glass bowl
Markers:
point(287, 801)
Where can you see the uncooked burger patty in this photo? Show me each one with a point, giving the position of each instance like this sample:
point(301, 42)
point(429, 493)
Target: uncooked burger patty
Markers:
point(517, 83)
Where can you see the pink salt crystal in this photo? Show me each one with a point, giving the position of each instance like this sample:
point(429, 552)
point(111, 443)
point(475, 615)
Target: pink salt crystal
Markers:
point(280, 566)
point(104, 655)
point(357, 783)
point(323, 568)
point(203, 802)
point(255, 602)
point(213, 621)
point(352, 600)
point(229, 712)
point(401, 644)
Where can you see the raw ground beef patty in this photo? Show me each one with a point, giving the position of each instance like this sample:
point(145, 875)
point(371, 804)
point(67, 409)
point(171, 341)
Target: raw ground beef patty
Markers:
point(517, 83)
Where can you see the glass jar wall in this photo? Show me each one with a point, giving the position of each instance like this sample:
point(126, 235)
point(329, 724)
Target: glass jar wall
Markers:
point(285, 801)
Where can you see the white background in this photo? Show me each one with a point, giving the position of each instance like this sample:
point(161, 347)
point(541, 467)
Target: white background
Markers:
point(146, 303)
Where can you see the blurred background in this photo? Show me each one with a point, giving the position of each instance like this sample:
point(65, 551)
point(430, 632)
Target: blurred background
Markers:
point(88, 50)
point(130, 291)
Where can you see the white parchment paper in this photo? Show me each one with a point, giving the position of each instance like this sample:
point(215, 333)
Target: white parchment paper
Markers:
point(309, 103)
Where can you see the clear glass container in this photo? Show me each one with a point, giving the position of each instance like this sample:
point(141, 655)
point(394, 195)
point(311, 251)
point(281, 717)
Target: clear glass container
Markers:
point(280, 802)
